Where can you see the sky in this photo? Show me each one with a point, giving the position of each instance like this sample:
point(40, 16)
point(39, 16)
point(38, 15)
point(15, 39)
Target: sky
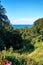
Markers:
point(23, 11)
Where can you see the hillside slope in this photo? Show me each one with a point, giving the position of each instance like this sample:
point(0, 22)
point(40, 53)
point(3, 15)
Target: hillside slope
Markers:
point(37, 54)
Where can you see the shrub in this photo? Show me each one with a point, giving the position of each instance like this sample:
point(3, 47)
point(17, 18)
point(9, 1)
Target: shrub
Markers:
point(14, 60)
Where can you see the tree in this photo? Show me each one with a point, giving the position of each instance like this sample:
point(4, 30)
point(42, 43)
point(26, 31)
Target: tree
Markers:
point(4, 21)
point(4, 24)
point(41, 31)
point(7, 33)
point(3, 17)
point(1, 44)
point(38, 25)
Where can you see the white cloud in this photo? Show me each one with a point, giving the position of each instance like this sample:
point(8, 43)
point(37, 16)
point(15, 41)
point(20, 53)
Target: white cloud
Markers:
point(23, 21)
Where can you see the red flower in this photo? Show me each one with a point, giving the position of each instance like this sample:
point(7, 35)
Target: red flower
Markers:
point(3, 63)
point(5, 60)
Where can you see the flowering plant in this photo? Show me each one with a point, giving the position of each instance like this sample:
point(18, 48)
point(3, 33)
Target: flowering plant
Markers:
point(5, 62)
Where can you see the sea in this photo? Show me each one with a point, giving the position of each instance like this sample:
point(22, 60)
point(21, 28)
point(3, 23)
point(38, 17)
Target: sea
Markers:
point(22, 26)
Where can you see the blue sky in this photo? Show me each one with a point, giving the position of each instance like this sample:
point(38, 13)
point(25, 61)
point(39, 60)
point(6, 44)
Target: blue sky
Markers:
point(23, 11)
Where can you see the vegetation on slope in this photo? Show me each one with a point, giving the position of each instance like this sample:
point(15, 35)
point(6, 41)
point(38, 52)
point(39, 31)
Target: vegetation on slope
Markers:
point(20, 46)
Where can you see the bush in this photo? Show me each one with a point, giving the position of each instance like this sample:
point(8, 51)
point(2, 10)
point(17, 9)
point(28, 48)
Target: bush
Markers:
point(37, 39)
point(14, 60)
point(27, 47)
point(1, 44)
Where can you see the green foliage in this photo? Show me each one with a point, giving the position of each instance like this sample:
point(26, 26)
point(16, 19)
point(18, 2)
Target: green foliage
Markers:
point(37, 39)
point(26, 34)
point(14, 60)
point(24, 40)
point(37, 54)
point(18, 60)
point(4, 25)
point(27, 47)
point(3, 17)
point(1, 44)
point(38, 25)
point(41, 32)
point(7, 33)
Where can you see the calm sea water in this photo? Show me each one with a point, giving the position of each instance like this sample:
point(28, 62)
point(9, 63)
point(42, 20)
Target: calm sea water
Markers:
point(22, 26)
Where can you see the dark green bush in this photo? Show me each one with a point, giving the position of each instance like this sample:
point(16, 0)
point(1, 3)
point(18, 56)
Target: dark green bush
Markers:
point(1, 44)
point(14, 60)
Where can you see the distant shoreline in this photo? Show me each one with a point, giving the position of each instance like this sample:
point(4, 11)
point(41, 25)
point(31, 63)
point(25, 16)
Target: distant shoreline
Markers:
point(22, 25)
